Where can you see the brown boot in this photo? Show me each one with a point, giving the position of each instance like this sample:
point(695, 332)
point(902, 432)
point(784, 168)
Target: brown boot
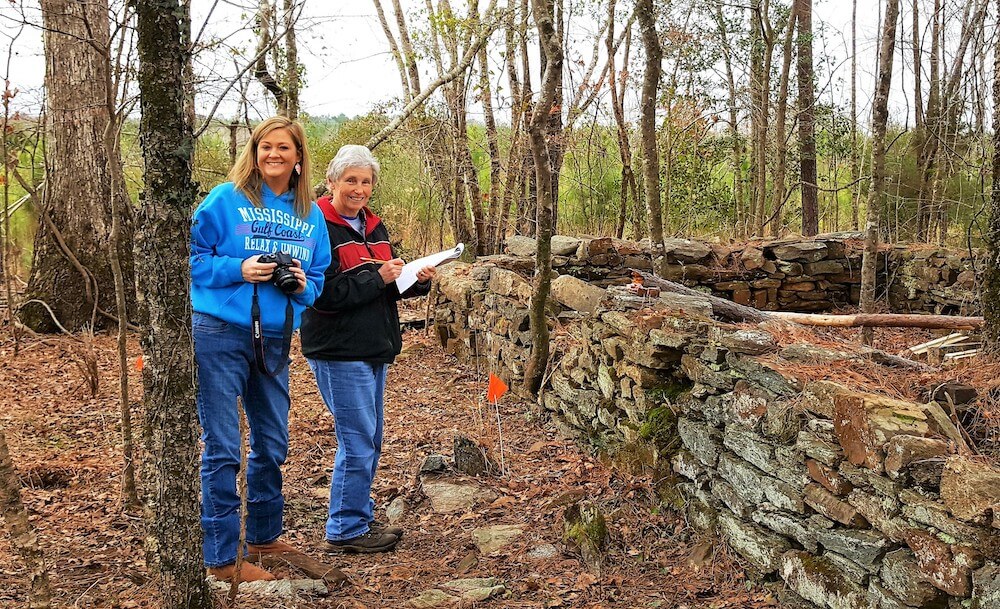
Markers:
point(381, 527)
point(249, 572)
point(275, 547)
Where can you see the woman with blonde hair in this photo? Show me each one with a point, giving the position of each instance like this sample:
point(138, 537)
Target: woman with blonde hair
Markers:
point(259, 250)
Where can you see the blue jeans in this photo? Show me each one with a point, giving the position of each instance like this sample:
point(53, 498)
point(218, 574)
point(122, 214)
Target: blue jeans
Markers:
point(353, 392)
point(226, 369)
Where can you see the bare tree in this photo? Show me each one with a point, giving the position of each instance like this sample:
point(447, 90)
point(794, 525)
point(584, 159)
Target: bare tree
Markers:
point(780, 141)
point(990, 286)
point(162, 249)
point(616, 87)
point(880, 115)
point(534, 369)
point(807, 120)
point(646, 16)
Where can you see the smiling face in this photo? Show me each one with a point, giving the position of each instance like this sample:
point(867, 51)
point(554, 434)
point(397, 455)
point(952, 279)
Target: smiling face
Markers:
point(277, 155)
point(352, 191)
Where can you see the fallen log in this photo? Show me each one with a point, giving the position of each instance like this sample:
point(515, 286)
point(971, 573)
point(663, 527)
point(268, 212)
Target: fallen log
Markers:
point(882, 320)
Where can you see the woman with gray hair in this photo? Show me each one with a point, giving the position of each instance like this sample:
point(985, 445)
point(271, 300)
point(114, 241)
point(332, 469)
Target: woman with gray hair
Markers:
point(350, 337)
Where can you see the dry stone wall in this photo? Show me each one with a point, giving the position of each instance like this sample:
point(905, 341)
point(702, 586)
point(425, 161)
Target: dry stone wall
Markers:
point(789, 275)
point(853, 499)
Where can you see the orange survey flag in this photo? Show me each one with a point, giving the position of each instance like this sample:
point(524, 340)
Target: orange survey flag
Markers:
point(496, 389)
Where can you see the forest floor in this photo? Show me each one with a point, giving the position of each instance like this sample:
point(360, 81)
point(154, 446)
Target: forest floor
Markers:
point(67, 450)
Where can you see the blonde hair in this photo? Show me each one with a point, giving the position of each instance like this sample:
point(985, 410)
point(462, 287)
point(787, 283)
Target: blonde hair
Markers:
point(246, 176)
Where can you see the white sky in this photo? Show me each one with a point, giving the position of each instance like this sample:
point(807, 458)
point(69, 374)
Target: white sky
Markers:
point(349, 69)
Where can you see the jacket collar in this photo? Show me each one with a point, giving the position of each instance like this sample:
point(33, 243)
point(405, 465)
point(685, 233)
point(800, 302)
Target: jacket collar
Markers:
point(326, 206)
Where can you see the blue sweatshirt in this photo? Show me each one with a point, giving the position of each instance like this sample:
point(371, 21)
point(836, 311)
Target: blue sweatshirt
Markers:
point(227, 229)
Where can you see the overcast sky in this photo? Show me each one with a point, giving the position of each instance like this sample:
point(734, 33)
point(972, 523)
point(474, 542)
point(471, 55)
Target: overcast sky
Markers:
point(349, 70)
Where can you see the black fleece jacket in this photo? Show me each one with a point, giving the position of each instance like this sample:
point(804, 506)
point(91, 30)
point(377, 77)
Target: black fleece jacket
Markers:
point(355, 317)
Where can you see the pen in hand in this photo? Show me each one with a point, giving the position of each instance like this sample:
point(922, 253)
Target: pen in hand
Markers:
point(375, 260)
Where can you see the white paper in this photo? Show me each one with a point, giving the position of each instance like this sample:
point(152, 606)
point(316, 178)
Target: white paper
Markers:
point(409, 275)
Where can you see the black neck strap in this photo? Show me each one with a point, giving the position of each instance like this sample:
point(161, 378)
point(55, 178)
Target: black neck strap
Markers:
point(258, 336)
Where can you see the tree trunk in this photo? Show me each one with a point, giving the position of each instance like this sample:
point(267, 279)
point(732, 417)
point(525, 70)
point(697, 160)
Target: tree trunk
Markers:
point(990, 286)
point(740, 209)
point(534, 369)
point(807, 121)
point(629, 185)
point(22, 534)
point(408, 92)
point(265, 23)
point(780, 142)
point(291, 61)
point(76, 214)
point(880, 115)
point(762, 46)
point(162, 248)
point(493, 145)
point(855, 153)
point(409, 57)
point(647, 123)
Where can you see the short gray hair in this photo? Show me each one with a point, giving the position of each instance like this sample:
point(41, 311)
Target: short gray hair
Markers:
point(353, 156)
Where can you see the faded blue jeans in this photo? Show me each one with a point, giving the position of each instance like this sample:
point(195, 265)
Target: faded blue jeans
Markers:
point(353, 392)
point(226, 369)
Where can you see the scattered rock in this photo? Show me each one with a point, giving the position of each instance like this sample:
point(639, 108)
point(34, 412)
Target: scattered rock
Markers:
point(396, 509)
point(542, 552)
point(433, 464)
point(477, 589)
point(279, 588)
point(495, 538)
point(584, 528)
point(471, 458)
point(450, 497)
point(433, 598)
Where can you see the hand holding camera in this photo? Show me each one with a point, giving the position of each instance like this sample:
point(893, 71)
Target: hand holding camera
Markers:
point(278, 268)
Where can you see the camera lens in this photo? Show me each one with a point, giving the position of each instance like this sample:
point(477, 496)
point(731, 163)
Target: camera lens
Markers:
point(285, 280)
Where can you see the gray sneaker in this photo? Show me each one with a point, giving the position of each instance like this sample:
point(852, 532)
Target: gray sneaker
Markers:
point(366, 543)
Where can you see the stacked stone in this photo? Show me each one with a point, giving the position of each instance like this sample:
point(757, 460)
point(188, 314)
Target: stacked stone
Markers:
point(853, 499)
point(936, 280)
point(815, 275)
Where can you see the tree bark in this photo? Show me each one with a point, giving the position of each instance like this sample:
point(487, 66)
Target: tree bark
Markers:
point(807, 121)
point(880, 115)
point(493, 145)
point(75, 211)
point(162, 248)
point(629, 186)
point(22, 534)
point(990, 286)
point(762, 44)
point(740, 208)
point(534, 370)
point(646, 16)
point(409, 57)
point(855, 153)
point(780, 141)
point(291, 62)
point(265, 21)
point(408, 92)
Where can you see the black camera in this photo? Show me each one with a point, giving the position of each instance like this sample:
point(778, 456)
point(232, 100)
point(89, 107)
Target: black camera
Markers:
point(282, 277)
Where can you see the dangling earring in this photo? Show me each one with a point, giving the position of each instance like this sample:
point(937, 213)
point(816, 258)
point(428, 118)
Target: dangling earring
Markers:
point(297, 169)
